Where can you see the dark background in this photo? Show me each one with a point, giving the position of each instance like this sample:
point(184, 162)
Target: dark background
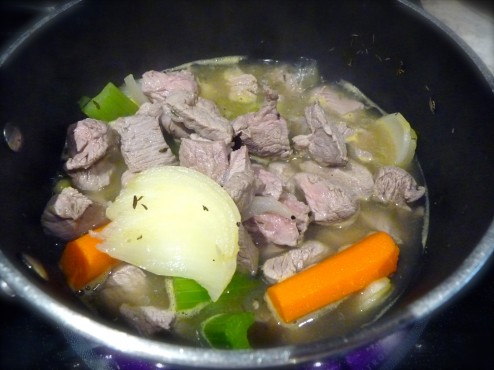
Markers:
point(460, 336)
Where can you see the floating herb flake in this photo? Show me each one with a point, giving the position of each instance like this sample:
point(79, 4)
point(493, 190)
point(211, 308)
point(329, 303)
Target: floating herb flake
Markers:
point(135, 201)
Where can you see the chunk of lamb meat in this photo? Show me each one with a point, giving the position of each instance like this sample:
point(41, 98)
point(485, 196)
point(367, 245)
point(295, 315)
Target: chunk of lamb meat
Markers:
point(241, 188)
point(325, 144)
point(329, 203)
point(248, 254)
point(94, 178)
point(207, 157)
point(272, 228)
point(268, 182)
point(299, 209)
point(126, 283)
point(159, 85)
point(243, 87)
point(160, 110)
point(287, 264)
point(335, 101)
point(142, 143)
point(355, 178)
point(239, 179)
point(239, 162)
point(147, 320)
point(265, 132)
point(395, 185)
point(285, 172)
point(70, 214)
point(89, 144)
point(201, 116)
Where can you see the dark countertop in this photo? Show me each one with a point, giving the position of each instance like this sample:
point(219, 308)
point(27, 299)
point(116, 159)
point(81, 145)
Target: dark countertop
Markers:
point(460, 336)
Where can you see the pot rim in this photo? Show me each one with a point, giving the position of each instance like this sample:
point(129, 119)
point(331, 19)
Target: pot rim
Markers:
point(19, 285)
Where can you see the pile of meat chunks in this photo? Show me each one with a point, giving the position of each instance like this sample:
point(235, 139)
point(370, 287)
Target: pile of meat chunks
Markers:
point(276, 204)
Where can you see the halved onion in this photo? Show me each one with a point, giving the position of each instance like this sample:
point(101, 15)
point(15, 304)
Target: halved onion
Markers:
point(175, 221)
point(390, 140)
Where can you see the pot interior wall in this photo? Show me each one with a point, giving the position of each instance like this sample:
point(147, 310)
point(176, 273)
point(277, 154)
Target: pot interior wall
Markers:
point(397, 58)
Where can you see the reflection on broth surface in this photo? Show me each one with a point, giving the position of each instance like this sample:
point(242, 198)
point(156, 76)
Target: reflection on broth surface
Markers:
point(219, 179)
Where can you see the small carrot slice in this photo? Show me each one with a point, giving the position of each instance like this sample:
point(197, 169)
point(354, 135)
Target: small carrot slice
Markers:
point(82, 262)
point(346, 272)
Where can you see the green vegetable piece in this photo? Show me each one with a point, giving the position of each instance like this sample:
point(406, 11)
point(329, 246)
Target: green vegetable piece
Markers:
point(240, 286)
point(228, 330)
point(187, 294)
point(110, 104)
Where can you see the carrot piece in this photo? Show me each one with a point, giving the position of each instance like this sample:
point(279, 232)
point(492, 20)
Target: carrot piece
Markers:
point(82, 262)
point(346, 272)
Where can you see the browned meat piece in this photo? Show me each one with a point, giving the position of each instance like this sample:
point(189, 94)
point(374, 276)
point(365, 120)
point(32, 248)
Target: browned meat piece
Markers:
point(125, 284)
point(175, 128)
point(239, 162)
point(142, 143)
point(94, 178)
point(329, 203)
point(239, 179)
point(125, 292)
point(248, 254)
point(326, 144)
point(264, 132)
point(395, 185)
point(299, 209)
point(147, 320)
point(241, 187)
point(201, 116)
point(355, 178)
point(289, 263)
point(151, 109)
point(159, 85)
point(268, 182)
point(87, 142)
point(69, 214)
point(160, 110)
point(242, 86)
point(285, 172)
point(207, 157)
point(335, 101)
point(271, 227)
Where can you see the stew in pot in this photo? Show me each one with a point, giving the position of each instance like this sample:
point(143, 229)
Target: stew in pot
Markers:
point(235, 203)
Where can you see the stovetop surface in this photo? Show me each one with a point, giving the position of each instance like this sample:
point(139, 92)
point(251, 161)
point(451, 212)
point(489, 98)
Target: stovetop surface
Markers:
point(460, 336)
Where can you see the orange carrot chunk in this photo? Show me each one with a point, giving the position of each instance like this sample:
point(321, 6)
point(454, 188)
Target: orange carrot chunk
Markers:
point(344, 273)
point(82, 262)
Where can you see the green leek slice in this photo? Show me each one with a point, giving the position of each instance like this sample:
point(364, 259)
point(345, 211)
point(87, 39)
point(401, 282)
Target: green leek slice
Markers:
point(187, 294)
point(228, 330)
point(110, 104)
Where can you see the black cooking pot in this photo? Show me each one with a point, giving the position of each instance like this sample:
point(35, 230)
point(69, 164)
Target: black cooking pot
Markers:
point(396, 54)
